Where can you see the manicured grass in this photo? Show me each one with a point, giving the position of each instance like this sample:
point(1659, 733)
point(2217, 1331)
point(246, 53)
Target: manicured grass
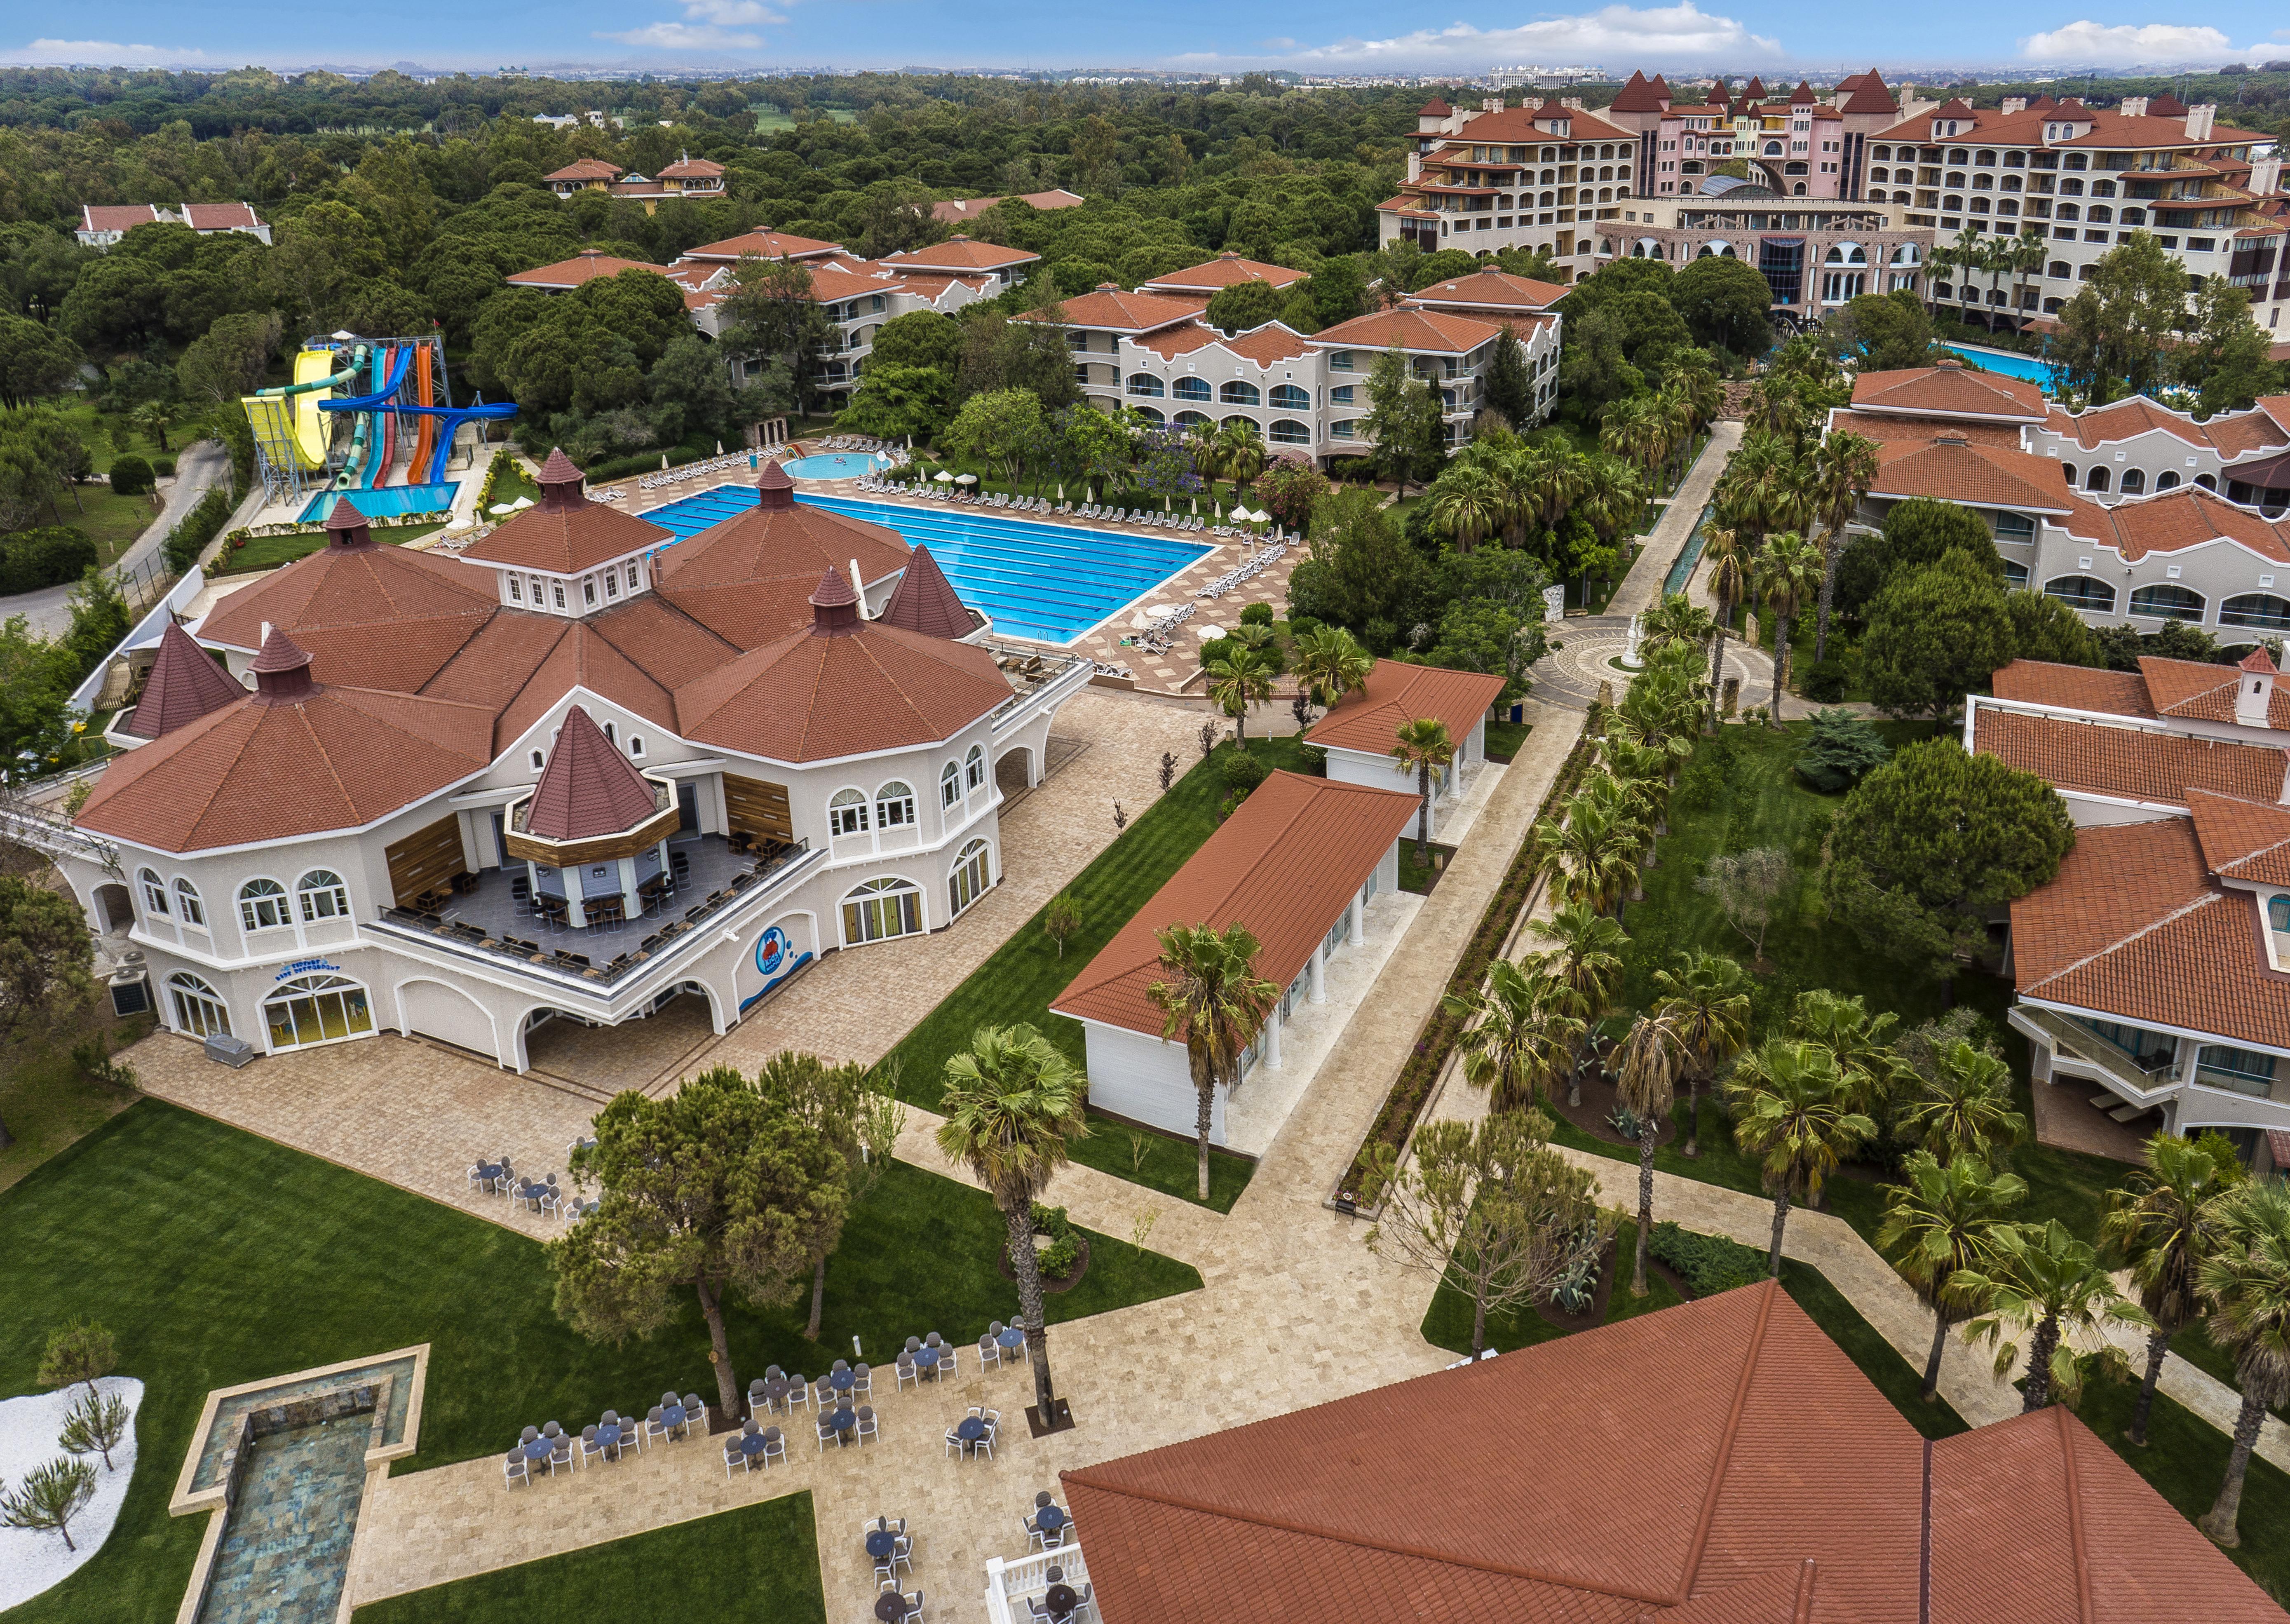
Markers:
point(756, 1566)
point(1506, 739)
point(514, 483)
point(268, 552)
point(1447, 1322)
point(47, 1102)
point(109, 521)
point(216, 1258)
point(1420, 877)
point(1018, 983)
point(1882, 1362)
point(1741, 791)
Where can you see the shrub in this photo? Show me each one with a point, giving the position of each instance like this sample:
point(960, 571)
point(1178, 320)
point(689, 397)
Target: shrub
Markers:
point(1825, 682)
point(48, 556)
point(1239, 769)
point(163, 467)
point(1064, 1249)
point(1707, 1263)
point(200, 526)
point(130, 476)
point(1257, 615)
point(1841, 748)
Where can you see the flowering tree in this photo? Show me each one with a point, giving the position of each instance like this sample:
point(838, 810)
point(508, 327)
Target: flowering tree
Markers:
point(1163, 459)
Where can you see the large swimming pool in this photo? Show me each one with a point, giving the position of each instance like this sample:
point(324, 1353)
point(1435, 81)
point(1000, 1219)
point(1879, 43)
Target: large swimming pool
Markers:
point(2012, 365)
point(1046, 582)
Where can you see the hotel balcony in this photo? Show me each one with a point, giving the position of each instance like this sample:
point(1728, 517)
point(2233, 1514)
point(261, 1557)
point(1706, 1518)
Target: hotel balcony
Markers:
point(2184, 1077)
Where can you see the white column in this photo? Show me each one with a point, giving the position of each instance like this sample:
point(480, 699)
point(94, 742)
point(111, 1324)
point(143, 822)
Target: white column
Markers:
point(576, 915)
point(628, 901)
point(1272, 1039)
point(1320, 994)
point(532, 884)
point(1358, 918)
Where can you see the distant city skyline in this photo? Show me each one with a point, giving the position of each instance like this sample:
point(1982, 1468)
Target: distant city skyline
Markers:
point(1345, 39)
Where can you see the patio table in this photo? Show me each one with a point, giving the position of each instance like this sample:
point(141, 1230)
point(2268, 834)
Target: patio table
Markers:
point(890, 1607)
point(1012, 1338)
point(1061, 1600)
point(1049, 1519)
point(926, 1359)
point(971, 1429)
point(842, 1382)
point(538, 1448)
point(752, 1444)
point(881, 1542)
point(775, 1392)
point(841, 1421)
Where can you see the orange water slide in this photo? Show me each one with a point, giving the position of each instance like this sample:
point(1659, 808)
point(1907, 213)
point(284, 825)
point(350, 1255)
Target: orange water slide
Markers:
point(428, 429)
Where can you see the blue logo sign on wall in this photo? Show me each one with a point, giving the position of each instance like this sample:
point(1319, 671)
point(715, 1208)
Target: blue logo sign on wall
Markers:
point(304, 966)
point(776, 959)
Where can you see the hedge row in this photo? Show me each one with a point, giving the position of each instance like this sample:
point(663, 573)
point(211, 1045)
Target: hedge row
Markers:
point(1437, 1040)
point(48, 556)
point(202, 524)
point(1707, 1263)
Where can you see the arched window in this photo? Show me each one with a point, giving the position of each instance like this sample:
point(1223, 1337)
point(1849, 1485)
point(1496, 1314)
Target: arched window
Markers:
point(949, 784)
point(1186, 419)
point(2166, 480)
point(2135, 483)
point(894, 807)
point(880, 909)
point(2096, 480)
point(1145, 383)
point(1906, 254)
point(1239, 394)
point(2099, 214)
point(1249, 423)
point(973, 769)
point(1288, 397)
point(1151, 414)
point(2102, 188)
point(2262, 610)
point(969, 877)
point(1190, 388)
point(1343, 429)
point(2206, 481)
point(846, 814)
point(2069, 210)
point(2015, 575)
point(2168, 601)
point(2134, 217)
point(2069, 468)
point(188, 907)
point(316, 1009)
point(323, 896)
point(155, 891)
point(2082, 592)
point(262, 905)
point(1846, 254)
point(1288, 431)
point(199, 1008)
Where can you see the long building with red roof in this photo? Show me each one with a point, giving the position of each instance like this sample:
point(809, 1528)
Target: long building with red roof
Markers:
point(574, 771)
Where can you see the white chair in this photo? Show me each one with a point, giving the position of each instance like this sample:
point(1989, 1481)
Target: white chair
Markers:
point(774, 1446)
point(865, 1424)
point(862, 1381)
point(954, 1443)
point(907, 1374)
point(515, 1470)
point(591, 1452)
point(798, 1395)
point(654, 1426)
point(989, 1353)
point(825, 1433)
point(560, 1453)
point(733, 1455)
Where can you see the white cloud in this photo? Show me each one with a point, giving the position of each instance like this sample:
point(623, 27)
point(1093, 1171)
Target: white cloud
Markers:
point(2153, 42)
point(1674, 36)
point(708, 25)
point(109, 53)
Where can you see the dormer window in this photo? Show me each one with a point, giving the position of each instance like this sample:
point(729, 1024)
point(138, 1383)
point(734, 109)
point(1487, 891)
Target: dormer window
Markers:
point(612, 584)
point(589, 591)
point(515, 590)
point(557, 592)
point(635, 578)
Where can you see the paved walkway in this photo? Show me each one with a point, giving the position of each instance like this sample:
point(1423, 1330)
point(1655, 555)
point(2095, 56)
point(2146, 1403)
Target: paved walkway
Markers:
point(199, 465)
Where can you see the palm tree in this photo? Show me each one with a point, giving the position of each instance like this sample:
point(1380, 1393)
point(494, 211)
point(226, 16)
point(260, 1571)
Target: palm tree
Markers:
point(1940, 1230)
point(1521, 1035)
point(2248, 1283)
point(1212, 1000)
point(1706, 1000)
point(1675, 619)
point(1420, 747)
point(2024, 256)
point(1653, 1055)
point(1861, 1042)
point(1775, 409)
point(1240, 454)
point(1729, 580)
point(1792, 1107)
point(1593, 849)
point(1701, 389)
point(1632, 433)
point(2166, 1224)
point(1585, 959)
point(2044, 1282)
point(1013, 1105)
point(1965, 1107)
point(1467, 504)
point(1331, 663)
point(1238, 678)
point(1848, 468)
point(1787, 569)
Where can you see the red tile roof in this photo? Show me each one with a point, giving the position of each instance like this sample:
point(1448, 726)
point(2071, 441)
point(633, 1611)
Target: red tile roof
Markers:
point(1491, 289)
point(1868, 95)
point(1370, 717)
point(1638, 96)
point(1518, 124)
point(1779, 1488)
point(762, 246)
point(115, 216)
point(2203, 692)
point(1950, 389)
point(185, 683)
point(1881, 427)
point(1056, 198)
point(840, 687)
point(2177, 519)
point(586, 169)
point(750, 579)
point(565, 538)
point(2040, 682)
point(424, 596)
point(588, 789)
point(219, 216)
point(1269, 345)
point(1285, 864)
point(2138, 764)
point(1954, 468)
point(1222, 272)
point(692, 168)
point(959, 253)
point(924, 601)
point(2242, 840)
point(1435, 332)
point(2233, 434)
point(2134, 927)
point(586, 266)
point(1110, 309)
point(1170, 342)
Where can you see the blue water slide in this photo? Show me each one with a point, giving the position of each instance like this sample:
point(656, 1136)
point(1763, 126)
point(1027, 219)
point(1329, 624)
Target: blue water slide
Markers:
point(452, 417)
point(382, 393)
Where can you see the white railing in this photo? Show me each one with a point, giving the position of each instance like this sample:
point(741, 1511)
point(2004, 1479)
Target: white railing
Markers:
point(1011, 1581)
point(1020, 708)
point(56, 836)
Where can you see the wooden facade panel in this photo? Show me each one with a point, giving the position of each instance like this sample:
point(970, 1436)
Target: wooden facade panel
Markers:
point(759, 808)
point(425, 861)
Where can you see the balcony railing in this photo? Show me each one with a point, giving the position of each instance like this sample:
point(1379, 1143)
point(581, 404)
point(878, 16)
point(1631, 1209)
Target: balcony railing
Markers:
point(2138, 1084)
point(1014, 1581)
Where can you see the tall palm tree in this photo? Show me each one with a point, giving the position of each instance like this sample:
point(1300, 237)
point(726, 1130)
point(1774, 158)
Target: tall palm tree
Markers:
point(1706, 1000)
point(1240, 453)
point(1013, 1106)
point(1676, 618)
point(1862, 1044)
point(1331, 663)
point(2046, 1284)
point(1585, 957)
point(1940, 1230)
point(1792, 1108)
point(1787, 569)
point(2165, 1224)
point(1728, 558)
point(1701, 390)
point(1421, 747)
point(1633, 432)
point(1521, 1034)
point(1653, 1055)
point(1593, 850)
point(2248, 1283)
point(1848, 468)
point(2026, 254)
point(1238, 678)
point(1211, 1001)
point(1467, 505)
point(1965, 1107)
point(1775, 409)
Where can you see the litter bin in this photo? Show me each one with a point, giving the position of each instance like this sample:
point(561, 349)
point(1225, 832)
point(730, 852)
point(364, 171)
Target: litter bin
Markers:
point(231, 1051)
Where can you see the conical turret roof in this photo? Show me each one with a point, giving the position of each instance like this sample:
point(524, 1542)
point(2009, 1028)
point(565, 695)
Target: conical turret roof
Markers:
point(186, 682)
point(924, 601)
point(588, 789)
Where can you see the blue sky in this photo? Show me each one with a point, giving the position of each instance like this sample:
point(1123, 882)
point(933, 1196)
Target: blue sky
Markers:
point(1311, 35)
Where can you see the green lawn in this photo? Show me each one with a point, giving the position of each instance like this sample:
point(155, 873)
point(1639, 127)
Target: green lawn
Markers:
point(1506, 739)
point(514, 483)
point(714, 1560)
point(1741, 791)
point(268, 552)
point(112, 522)
point(216, 1258)
point(1020, 979)
point(1447, 1322)
point(1419, 877)
point(47, 1102)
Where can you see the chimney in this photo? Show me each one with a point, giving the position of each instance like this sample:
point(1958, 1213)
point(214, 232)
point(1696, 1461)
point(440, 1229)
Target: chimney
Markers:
point(1492, 104)
point(2200, 119)
point(2132, 106)
point(1414, 165)
point(1573, 102)
point(2266, 173)
point(2253, 692)
point(834, 606)
point(2019, 104)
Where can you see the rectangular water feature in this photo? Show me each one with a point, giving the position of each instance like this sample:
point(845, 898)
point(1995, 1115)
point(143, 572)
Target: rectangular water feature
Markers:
point(285, 1544)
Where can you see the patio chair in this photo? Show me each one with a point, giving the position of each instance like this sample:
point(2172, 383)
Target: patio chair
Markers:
point(695, 1411)
point(798, 1395)
point(903, 1554)
point(944, 1370)
point(908, 1373)
point(774, 1446)
point(1035, 1539)
point(514, 1469)
point(865, 1424)
point(862, 1381)
point(654, 1426)
point(913, 1612)
point(989, 1353)
point(955, 1446)
point(827, 1434)
point(561, 1452)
